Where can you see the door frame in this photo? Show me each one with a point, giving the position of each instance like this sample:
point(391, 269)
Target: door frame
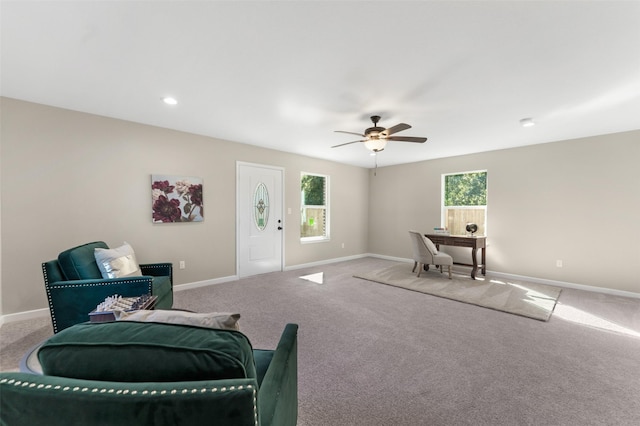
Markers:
point(282, 204)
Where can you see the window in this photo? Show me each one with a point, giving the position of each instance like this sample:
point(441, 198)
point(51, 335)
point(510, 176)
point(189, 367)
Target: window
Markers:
point(314, 210)
point(464, 200)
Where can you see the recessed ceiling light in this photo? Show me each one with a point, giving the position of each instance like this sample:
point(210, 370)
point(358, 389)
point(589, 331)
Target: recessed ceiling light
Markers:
point(169, 100)
point(527, 122)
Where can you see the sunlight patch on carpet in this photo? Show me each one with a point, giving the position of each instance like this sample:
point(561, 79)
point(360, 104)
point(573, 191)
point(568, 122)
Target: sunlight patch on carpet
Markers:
point(569, 313)
point(529, 300)
point(317, 278)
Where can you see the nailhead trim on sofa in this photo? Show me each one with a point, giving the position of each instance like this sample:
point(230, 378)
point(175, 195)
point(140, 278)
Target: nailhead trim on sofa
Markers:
point(149, 393)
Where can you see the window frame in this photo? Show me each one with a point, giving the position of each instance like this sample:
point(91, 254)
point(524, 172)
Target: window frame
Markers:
point(443, 207)
point(326, 235)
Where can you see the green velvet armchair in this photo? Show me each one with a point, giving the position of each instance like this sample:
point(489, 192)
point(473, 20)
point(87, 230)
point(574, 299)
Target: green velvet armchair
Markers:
point(75, 285)
point(132, 373)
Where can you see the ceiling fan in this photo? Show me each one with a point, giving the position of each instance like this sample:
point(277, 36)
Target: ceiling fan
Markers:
point(376, 138)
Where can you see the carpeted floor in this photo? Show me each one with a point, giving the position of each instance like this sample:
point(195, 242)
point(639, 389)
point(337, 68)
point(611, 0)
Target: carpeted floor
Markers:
point(515, 297)
point(372, 354)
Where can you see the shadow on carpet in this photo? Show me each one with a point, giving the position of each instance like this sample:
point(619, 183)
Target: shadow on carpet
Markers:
point(530, 300)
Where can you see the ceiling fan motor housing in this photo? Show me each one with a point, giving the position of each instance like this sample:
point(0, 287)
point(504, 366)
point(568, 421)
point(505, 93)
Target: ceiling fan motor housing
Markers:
point(373, 132)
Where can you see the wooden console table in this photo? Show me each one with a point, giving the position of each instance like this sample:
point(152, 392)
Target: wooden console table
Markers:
point(474, 243)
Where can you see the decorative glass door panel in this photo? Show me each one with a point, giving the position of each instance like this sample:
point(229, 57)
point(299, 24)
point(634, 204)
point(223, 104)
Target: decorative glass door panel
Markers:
point(261, 206)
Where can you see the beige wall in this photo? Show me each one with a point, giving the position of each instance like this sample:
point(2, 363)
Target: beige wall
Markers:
point(576, 200)
point(69, 178)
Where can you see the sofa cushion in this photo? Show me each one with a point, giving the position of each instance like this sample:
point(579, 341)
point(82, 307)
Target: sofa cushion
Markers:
point(117, 262)
point(79, 263)
point(127, 351)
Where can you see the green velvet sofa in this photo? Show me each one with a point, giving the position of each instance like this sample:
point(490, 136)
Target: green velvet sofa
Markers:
point(135, 373)
point(75, 285)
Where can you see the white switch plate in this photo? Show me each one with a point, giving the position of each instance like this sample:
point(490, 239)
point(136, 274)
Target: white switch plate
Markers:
point(182, 264)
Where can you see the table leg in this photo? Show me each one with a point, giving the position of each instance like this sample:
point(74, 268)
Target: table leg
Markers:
point(484, 261)
point(475, 263)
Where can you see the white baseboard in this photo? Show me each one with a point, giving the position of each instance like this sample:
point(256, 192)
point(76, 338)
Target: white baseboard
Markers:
point(609, 291)
point(22, 316)
point(38, 313)
point(205, 283)
point(396, 259)
point(325, 262)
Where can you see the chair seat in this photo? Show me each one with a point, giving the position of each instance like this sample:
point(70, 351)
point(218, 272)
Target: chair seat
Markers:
point(442, 259)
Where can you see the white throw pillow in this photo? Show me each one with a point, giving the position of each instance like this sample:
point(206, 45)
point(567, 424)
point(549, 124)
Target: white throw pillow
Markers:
point(430, 246)
point(117, 262)
point(217, 320)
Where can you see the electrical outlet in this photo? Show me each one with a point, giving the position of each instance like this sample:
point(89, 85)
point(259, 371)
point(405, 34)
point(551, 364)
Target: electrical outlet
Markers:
point(559, 263)
point(182, 264)
point(342, 245)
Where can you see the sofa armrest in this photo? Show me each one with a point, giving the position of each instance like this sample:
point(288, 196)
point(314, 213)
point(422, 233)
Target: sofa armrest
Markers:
point(35, 400)
point(71, 301)
point(278, 396)
point(158, 270)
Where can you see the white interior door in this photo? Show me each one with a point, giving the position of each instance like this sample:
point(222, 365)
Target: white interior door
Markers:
point(259, 218)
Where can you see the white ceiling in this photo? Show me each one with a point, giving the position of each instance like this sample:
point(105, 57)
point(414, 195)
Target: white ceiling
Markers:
point(285, 75)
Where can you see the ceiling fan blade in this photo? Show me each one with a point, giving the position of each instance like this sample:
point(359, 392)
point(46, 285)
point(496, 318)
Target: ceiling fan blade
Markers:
point(349, 133)
point(397, 128)
point(407, 139)
point(348, 143)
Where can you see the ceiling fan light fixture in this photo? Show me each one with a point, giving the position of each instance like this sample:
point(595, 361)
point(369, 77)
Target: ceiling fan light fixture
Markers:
point(375, 144)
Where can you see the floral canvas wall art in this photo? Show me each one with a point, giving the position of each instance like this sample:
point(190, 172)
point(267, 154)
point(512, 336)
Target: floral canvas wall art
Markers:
point(176, 199)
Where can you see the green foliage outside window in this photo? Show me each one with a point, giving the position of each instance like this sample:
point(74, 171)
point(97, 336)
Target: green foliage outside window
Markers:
point(313, 188)
point(466, 189)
